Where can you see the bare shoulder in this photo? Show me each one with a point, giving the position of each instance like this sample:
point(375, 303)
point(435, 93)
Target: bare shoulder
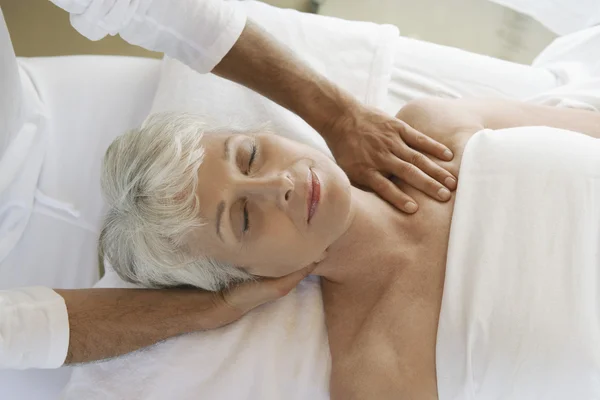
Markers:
point(449, 121)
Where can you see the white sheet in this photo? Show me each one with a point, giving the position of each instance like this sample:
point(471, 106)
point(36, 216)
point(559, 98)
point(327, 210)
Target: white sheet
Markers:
point(427, 69)
point(268, 345)
point(575, 62)
point(520, 315)
point(560, 16)
point(269, 354)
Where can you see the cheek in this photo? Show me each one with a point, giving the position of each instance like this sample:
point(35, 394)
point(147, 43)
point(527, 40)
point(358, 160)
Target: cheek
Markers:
point(281, 250)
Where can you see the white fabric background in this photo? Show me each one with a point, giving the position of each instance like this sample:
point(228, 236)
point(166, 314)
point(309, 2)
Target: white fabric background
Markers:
point(92, 99)
point(272, 345)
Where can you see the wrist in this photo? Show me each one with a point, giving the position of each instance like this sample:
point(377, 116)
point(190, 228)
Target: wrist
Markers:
point(331, 108)
point(211, 311)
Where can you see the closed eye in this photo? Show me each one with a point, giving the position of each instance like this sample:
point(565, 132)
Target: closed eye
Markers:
point(246, 225)
point(252, 157)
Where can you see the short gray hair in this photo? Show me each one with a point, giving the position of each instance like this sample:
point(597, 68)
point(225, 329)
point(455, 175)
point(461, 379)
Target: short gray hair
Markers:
point(149, 179)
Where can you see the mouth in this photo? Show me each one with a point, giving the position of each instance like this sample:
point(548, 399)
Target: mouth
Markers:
point(314, 194)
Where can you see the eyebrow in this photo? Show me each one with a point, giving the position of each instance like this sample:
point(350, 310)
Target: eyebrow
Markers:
point(221, 206)
point(220, 209)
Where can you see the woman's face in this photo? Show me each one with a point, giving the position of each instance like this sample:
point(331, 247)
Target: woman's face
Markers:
point(271, 205)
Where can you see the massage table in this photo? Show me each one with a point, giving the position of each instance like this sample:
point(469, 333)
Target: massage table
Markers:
point(81, 103)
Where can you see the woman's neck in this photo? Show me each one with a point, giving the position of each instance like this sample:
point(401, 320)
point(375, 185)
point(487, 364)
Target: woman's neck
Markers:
point(376, 230)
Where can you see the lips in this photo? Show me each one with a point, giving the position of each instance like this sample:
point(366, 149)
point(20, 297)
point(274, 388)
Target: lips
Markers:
point(314, 194)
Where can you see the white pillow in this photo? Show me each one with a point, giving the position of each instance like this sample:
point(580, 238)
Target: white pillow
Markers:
point(356, 56)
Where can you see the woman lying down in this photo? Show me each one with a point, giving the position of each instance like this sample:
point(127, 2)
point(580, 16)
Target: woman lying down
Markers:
point(193, 207)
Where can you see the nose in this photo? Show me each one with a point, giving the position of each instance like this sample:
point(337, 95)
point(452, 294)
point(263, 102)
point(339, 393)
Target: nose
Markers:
point(278, 187)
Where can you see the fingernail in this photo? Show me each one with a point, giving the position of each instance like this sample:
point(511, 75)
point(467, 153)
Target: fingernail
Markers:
point(450, 183)
point(448, 154)
point(410, 207)
point(444, 194)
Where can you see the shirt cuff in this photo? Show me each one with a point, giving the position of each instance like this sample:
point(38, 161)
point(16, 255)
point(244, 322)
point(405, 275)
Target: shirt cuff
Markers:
point(34, 328)
point(229, 36)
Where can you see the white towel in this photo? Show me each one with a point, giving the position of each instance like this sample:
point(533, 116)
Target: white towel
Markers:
point(575, 61)
point(560, 16)
point(279, 351)
point(520, 315)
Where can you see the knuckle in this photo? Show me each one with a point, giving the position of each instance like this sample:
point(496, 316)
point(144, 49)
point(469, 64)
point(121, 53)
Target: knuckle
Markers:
point(401, 128)
point(417, 159)
point(379, 186)
point(360, 176)
point(440, 174)
point(283, 291)
point(409, 170)
point(389, 142)
point(421, 140)
point(274, 286)
point(433, 185)
point(223, 312)
point(278, 289)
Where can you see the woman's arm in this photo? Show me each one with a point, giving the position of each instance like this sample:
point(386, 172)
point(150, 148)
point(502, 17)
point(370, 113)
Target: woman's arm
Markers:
point(441, 119)
point(500, 114)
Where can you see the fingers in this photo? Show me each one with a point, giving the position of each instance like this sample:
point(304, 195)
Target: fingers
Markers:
point(285, 284)
point(391, 193)
point(249, 295)
point(422, 173)
point(423, 143)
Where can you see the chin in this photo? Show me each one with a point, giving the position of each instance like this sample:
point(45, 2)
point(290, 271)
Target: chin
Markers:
point(340, 199)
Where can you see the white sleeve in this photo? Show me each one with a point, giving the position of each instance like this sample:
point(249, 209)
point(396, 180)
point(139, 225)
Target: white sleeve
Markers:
point(34, 328)
point(197, 32)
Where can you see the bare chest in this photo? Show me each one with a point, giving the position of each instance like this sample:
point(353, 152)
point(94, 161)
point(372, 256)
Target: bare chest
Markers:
point(383, 333)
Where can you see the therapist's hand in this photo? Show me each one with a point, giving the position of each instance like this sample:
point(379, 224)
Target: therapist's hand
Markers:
point(231, 304)
point(371, 146)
